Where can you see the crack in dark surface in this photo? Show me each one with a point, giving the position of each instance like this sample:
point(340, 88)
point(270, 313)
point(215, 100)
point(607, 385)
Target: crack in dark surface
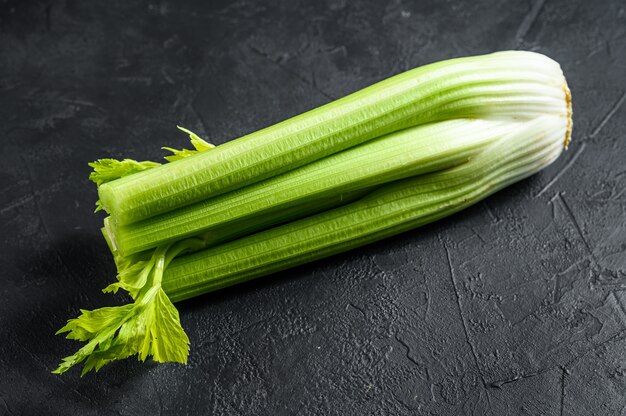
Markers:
point(408, 351)
point(157, 394)
point(563, 377)
point(616, 106)
point(527, 22)
point(494, 218)
point(302, 79)
point(6, 406)
point(461, 315)
point(499, 383)
point(579, 230)
point(563, 170)
point(620, 305)
point(620, 336)
point(39, 214)
point(359, 309)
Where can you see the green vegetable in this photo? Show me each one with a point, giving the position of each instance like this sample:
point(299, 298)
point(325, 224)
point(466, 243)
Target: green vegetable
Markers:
point(506, 84)
point(317, 186)
point(392, 209)
point(395, 156)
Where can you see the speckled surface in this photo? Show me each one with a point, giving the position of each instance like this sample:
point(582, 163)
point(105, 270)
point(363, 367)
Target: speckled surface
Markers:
point(516, 306)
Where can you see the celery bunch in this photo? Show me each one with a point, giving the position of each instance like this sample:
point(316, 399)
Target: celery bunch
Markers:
point(394, 156)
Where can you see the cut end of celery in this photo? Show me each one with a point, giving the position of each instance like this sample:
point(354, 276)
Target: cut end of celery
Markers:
point(106, 198)
point(108, 235)
point(568, 103)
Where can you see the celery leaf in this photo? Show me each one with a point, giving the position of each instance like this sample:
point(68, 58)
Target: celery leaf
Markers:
point(107, 170)
point(199, 145)
point(148, 327)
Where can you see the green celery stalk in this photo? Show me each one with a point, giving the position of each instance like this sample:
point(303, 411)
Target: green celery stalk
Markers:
point(390, 210)
point(315, 187)
point(505, 84)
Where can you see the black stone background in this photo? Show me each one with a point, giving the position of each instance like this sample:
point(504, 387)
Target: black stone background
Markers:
point(515, 306)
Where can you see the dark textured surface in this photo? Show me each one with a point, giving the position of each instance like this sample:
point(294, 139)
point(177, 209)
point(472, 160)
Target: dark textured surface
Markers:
point(515, 306)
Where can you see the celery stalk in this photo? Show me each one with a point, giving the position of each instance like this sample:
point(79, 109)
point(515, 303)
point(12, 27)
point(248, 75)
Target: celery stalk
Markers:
point(505, 84)
point(392, 209)
point(315, 187)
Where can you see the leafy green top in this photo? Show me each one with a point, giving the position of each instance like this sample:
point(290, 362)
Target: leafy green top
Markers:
point(199, 145)
point(107, 170)
point(150, 326)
